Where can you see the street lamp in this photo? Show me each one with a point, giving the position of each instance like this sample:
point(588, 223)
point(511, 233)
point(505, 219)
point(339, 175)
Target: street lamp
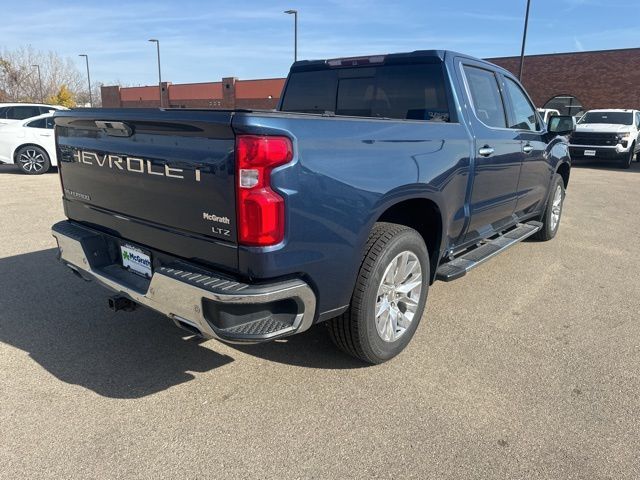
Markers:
point(40, 83)
point(86, 57)
point(157, 42)
point(524, 40)
point(295, 32)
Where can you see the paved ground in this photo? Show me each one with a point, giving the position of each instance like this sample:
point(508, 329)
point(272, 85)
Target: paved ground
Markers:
point(526, 368)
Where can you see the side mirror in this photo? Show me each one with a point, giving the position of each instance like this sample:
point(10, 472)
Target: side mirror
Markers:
point(562, 124)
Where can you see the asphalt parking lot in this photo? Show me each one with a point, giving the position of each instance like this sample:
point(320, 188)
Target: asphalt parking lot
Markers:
point(525, 368)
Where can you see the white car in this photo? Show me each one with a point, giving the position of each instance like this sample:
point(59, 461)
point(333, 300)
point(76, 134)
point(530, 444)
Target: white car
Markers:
point(607, 135)
point(547, 113)
point(14, 112)
point(30, 144)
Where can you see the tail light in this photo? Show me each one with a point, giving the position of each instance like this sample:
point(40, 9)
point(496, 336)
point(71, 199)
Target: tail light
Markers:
point(261, 215)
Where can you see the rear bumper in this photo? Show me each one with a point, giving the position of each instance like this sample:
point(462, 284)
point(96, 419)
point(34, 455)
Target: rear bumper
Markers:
point(214, 304)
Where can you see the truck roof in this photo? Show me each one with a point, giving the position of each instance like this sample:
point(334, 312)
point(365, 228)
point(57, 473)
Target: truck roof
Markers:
point(417, 56)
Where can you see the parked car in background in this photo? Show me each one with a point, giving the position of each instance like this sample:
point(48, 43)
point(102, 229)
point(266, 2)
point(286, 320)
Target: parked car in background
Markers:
point(547, 113)
point(14, 112)
point(375, 177)
point(30, 144)
point(607, 135)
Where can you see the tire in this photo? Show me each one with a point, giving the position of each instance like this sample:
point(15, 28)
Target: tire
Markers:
point(625, 163)
point(376, 339)
point(33, 160)
point(553, 212)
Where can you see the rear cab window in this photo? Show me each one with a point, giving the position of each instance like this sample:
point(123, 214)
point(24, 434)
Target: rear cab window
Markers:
point(415, 91)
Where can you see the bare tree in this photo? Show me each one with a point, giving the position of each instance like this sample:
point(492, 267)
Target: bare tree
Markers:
point(21, 81)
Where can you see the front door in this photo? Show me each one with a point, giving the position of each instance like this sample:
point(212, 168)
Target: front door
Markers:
point(536, 170)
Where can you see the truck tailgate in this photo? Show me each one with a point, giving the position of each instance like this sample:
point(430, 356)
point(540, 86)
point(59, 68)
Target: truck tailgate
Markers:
point(140, 171)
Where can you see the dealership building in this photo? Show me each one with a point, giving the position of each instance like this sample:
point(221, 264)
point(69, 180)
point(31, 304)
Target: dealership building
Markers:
point(569, 82)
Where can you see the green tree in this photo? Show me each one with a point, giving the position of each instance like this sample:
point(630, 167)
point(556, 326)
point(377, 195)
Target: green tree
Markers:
point(64, 97)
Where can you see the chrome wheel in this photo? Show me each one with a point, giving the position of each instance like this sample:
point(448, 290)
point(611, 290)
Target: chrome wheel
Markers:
point(556, 208)
point(32, 160)
point(398, 296)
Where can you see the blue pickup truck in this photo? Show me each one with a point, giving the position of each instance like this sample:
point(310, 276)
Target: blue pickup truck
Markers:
point(375, 177)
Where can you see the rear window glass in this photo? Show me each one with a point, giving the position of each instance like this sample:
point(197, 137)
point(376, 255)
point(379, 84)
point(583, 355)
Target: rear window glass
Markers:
point(415, 92)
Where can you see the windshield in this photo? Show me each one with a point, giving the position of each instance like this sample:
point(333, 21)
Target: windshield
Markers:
point(618, 118)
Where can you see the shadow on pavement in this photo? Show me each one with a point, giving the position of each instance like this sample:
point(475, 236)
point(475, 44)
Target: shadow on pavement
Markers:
point(64, 324)
point(15, 170)
point(605, 165)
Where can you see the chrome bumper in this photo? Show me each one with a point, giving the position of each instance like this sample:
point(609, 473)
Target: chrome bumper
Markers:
point(181, 291)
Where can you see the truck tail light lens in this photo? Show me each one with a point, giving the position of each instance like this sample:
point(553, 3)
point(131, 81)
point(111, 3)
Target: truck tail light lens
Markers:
point(261, 215)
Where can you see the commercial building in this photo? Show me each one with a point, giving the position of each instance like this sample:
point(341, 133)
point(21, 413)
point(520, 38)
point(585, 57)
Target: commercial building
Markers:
point(569, 82)
point(228, 93)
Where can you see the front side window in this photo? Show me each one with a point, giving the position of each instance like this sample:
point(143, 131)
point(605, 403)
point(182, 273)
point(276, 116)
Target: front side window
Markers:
point(485, 95)
point(22, 112)
point(524, 115)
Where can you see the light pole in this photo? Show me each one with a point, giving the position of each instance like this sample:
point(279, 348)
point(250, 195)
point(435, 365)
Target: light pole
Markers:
point(157, 42)
point(40, 83)
point(86, 57)
point(524, 40)
point(295, 32)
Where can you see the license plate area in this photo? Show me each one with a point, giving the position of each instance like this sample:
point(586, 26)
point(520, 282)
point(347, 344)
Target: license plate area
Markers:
point(136, 260)
point(589, 153)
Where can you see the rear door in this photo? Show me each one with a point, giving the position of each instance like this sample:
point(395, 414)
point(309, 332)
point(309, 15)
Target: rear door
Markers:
point(41, 133)
point(498, 153)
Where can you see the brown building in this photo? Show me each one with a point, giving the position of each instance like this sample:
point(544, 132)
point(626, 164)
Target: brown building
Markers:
point(573, 82)
point(228, 93)
point(569, 82)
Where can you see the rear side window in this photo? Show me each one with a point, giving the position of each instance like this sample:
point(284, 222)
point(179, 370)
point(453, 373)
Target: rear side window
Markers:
point(485, 95)
point(40, 123)
point(524, 115)
point(22, 112)
point(415, 92)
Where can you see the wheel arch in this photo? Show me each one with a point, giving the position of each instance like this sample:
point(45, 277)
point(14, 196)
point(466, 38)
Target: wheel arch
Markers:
point(30, 144)
point(564, 170)
point(424, 215)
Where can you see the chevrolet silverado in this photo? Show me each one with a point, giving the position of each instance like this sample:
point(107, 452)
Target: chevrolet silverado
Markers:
point(375, 177)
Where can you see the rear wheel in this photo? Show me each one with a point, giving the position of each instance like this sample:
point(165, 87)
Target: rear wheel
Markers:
point(389, 296)
point(33, 160)
point(551, 217)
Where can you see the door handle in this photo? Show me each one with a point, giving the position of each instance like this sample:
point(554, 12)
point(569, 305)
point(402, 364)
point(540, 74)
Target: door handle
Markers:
point(486, 151)
point(527, 148)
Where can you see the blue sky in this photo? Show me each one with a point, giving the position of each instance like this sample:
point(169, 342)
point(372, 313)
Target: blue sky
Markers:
point(206, 40)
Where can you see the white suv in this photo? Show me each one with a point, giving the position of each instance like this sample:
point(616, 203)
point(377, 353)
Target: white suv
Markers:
point(607, 134)
point(14, 112)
